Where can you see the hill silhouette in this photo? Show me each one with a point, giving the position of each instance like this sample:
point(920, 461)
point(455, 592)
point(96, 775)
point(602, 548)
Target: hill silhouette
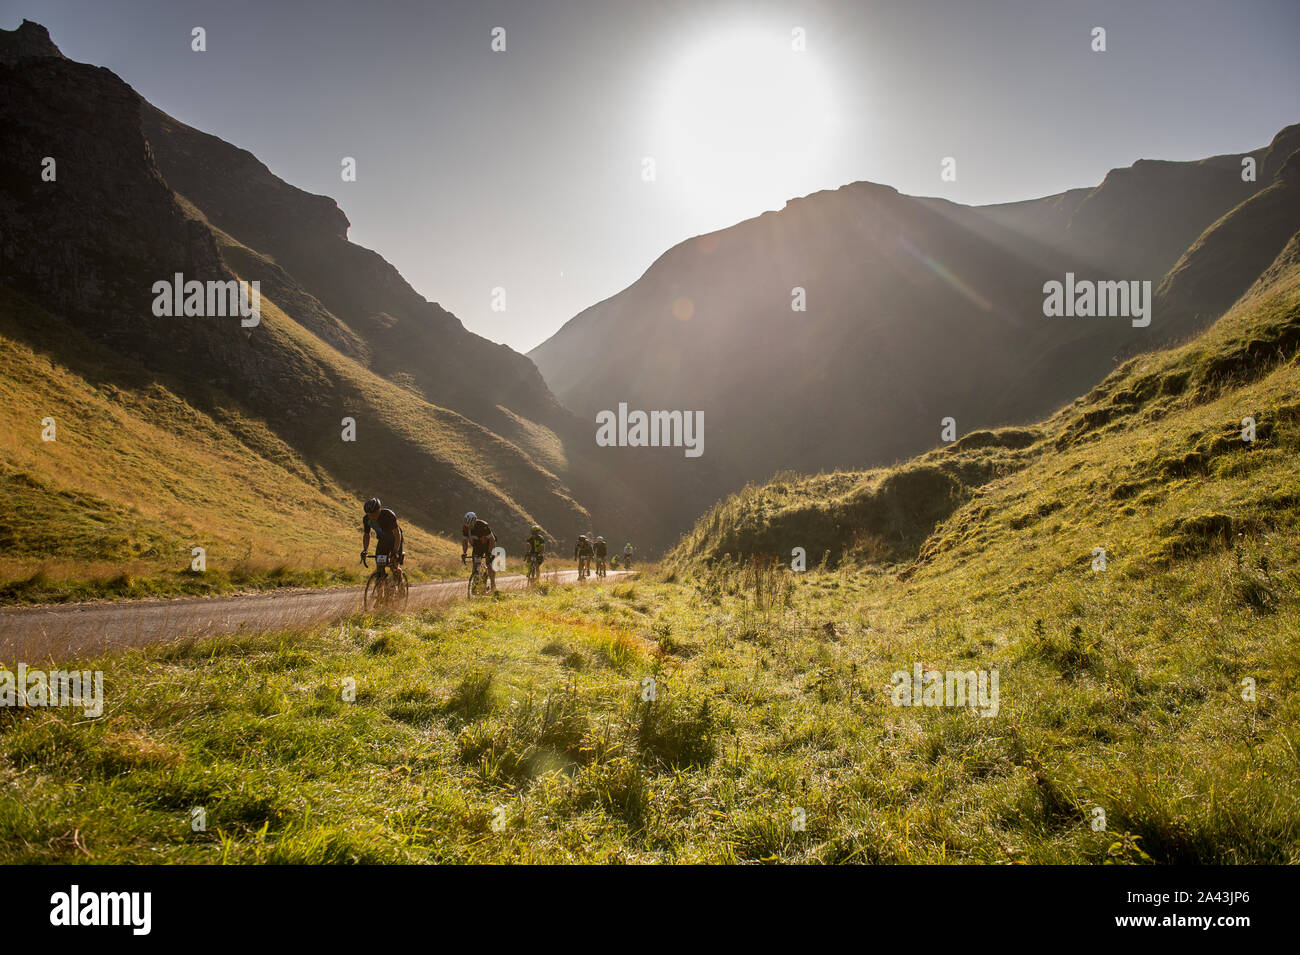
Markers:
point(917, 310)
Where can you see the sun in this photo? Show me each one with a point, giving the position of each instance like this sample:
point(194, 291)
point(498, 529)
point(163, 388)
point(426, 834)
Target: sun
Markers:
point(746, 120)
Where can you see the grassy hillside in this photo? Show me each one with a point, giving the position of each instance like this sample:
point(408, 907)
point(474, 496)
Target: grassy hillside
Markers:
point(1152, 463)
point(87, 248)
point(137, 476)
point(1188, 401)
point(1147, 712)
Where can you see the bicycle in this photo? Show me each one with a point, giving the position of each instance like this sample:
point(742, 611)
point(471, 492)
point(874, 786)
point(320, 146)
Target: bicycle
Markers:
point(584, 567)
point(480, 585)
point(600, 566)
point(387, 587)
point(534, 570)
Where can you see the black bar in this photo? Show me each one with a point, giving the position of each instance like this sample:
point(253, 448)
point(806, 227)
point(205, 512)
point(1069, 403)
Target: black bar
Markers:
point(944, 903)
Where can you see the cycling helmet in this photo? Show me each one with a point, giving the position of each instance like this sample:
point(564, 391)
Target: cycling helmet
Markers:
point(600, 539)
point(536, 529)
point(372, 505)
point(470, 517)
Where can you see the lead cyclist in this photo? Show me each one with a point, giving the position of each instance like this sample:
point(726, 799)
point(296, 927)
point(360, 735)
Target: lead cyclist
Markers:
point(478, 532)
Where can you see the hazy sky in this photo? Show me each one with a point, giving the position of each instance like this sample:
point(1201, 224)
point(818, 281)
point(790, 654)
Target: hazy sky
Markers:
point(524, 169)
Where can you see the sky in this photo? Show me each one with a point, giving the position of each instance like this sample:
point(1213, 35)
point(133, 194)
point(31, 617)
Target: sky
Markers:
point(560, 168)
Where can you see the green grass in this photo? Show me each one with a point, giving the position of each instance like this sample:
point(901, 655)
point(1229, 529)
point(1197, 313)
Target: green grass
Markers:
point(528, 711)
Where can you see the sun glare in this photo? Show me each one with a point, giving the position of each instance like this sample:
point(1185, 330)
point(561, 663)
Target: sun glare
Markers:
point(747, 119)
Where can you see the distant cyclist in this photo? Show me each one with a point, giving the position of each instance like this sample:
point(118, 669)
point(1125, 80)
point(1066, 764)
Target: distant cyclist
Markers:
point(389, 539)
point(627, 556)
point(477, 533)
point(602, 551)
point(583, 552)
point(535, 548)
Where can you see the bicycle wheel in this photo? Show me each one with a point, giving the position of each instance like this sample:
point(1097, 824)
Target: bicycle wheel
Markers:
point(399, 591)
point(370, 597)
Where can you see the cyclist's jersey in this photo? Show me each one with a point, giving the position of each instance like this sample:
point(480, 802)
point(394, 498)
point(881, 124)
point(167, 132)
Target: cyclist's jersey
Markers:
point(601, 550)
point(385, 526)
point(480, 535)
point(384, 522)
point(535, 545)
point(583, 548)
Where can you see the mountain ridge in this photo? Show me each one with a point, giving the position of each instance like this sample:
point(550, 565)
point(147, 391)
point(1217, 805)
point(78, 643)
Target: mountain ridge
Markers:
point(87, 247)
point(918, 309)
point(933, 513)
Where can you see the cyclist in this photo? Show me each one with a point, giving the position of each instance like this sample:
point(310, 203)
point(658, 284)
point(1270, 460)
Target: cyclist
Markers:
point(535, 548)
point(582, 552)
point(477, 532)
point(389, 539)
point(627, 556)
point(601, 552)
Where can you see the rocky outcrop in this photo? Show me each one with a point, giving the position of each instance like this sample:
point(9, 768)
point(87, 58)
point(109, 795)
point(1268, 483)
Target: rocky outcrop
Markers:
point(28, 41)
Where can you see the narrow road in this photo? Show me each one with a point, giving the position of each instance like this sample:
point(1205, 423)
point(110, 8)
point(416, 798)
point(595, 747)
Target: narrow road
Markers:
point(69, 631)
